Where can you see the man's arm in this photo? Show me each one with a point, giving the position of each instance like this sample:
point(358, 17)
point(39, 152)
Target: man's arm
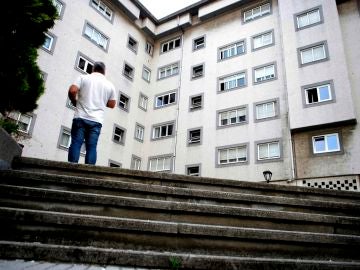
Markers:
point(111, 103)
point(73, 90)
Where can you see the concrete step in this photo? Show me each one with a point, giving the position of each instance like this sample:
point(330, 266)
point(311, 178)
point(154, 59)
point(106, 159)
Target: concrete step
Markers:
point(191, 212)
point(328, 205)
point(162, 260)
point(191, 182)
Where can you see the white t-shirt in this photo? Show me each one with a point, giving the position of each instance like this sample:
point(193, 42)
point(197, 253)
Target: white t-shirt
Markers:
point(95, 91)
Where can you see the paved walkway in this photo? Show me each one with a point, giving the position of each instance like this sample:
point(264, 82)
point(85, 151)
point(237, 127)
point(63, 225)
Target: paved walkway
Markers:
point(32, 265)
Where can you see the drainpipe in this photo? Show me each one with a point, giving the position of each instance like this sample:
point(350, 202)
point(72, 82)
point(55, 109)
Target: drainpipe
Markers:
point(178, 95)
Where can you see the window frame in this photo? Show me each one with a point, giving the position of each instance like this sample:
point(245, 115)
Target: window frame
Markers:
point(87, 61)
point(134, 48)
point(52, 43)
point(268, 142)
point(259, 5)
point(141, 95)
point(92, 40)
point(304, 88)
point(123, 137)
point(160, 125)
point(228, 110)
point(137, 125)
point(61, 13)
point(327, 132)
point(224, 77)
point(145, 68)
point(168, 41)
point(194, 47)
point(260, 35)
point(192, 74)
point(134, 159)
point(312, 46)
point(262, 67)
point(228, 147)
point(29, 127)
point(276, 102)
point(191, 108)
point(167, 66)
point(187, 167)
point(66, 148)
point(103, 13)
point(170, 156)
point(168, 93)
point(126, 108)
point(194, 143)
point(151, 46)
point(221, 48)
point(304, 12)
point(132, 75)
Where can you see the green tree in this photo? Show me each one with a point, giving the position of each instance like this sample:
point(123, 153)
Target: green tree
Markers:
point(23, 24)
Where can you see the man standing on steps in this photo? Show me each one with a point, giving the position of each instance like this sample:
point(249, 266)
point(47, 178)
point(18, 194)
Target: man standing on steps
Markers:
point(90, 94)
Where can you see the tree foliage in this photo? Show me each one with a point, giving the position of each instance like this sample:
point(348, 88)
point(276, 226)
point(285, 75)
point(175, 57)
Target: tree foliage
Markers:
point(23, 24)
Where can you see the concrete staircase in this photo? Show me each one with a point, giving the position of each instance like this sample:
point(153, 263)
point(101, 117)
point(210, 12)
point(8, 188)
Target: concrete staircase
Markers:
point(56, 211)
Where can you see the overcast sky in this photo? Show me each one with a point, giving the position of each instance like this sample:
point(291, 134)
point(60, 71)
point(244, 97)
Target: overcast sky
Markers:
point(162, 8)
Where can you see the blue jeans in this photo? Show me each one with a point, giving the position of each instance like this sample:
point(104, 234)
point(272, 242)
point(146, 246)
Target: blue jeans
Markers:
point(81, 130)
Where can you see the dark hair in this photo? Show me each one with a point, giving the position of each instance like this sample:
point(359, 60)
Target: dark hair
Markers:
point(99, 67)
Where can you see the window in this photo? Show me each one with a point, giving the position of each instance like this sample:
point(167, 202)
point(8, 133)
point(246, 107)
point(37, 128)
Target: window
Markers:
point(160, 164)
point(197, 71)
point(170, 45)
point(96, 36)
point(118, 134)
point(65, 140)
point(194, 136)
point(114, 164)
point(85, 64)
point(128, 71)
point(193, 170)
point(59, 7)
point(318, 94)
point(132, 44)
point(267, 110)
point(101, 7)
point(257, 12)
point(163, 131)
point(146, 74)
point(232, 82)
point(232, 117)
point(124, 102)
point(268, 151)
point(313, 53)
point(308, 18)
point(232, 50)
point(149, 48)
point(139, 132)
point(326, 143)
point(49, 43)
point(24, 121)
point(264, 73)
point(135, 163)
point(143, 101)
point(168, 71)
point(165, 99)
point(231, 155)
point(196, 102)
point(199, 43)
point(263, 40)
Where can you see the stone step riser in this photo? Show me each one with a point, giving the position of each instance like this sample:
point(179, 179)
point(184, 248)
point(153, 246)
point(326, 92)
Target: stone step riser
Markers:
point(69, 202)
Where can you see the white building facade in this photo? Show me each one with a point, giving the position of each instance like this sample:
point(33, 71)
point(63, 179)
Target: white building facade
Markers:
point(224, 89)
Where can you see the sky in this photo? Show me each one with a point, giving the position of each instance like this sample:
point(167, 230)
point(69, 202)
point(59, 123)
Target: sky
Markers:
point(162, 8)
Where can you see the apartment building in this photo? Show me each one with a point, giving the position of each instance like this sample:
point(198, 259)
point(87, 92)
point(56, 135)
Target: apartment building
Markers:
point(226, 88)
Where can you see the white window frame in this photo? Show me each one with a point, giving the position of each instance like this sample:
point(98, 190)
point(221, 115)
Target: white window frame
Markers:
point(95, 36)
point(230, 113)
point(262, 74)
point(146, 74)
point(170, 43)
point(306, 15)
point(139, 132)
point(232, 50)
point(325, 137)
point(328, 85)
point(197, 71)
point(264, 9)
point(132, 47)
point(198, 46)
point(162, 163)
point(59, 6)
point(313, 56)
point(161, 99)
point(149, 48)
point(129, 75)
point(102, 8)
point(135, 163)
point(158, 129)
point(233, 159)
point(17, 117)
point(143, 102)
point(196, 105)
point(88, 64)
point(265, 106)
point(268, 155)
point(231, 82)
point(168, 71)
point(118, 138)
point(50, 37)
point(265, 42)
point(194, 139)
point(189, 167)
point(124, 105)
